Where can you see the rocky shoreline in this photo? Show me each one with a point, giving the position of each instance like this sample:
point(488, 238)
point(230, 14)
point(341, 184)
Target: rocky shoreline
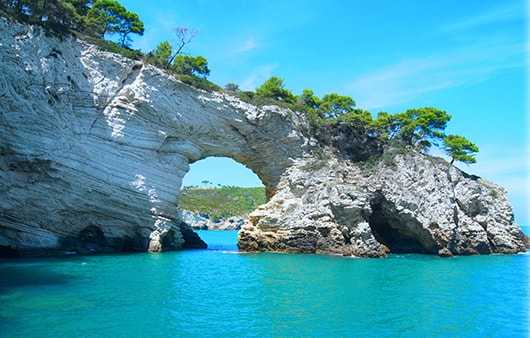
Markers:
point(203, 221)
point(345, 208)
point(94, 147)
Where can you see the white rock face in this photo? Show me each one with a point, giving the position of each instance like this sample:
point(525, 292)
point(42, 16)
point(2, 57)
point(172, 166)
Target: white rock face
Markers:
point(413, 205)
point(94, 146)
point(93, 149)
point(204, 222)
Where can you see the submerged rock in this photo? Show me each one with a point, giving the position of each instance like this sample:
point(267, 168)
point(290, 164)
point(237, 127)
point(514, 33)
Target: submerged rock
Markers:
point(94, 147)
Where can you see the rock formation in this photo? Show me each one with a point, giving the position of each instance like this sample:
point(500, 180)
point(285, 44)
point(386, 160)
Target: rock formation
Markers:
point(94, 148)
point(414, 204)
point(202, 221)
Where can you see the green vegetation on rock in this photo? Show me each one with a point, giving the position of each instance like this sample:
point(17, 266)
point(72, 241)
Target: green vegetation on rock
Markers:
point(460, 149)
point(222, 202)
point(93, 20)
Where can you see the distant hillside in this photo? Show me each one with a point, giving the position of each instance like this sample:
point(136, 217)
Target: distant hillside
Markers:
point(221, 202)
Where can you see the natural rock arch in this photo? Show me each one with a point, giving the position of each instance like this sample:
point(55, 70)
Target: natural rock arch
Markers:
point(110, 139)
point(94, 148)
point(220, 172)
point(213, 178)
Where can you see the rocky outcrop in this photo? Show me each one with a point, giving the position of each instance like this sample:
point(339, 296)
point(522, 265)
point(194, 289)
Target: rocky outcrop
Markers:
point(94, 148)
point(403, 203)
point(202, 221)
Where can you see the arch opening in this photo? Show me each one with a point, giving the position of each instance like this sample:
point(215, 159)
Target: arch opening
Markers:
point(220, 171)
point(218, 193)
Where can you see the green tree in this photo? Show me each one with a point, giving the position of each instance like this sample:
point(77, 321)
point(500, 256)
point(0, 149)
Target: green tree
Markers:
point(43, 10)
point(68, 13)
point(191, 65)
point(274, 89)
point(165, 55)
point(385, 126)
point(109, 17)
point(129, 23)
point(103, 16)
point(356, 118)
point(421, 127)
point(460, 149)
point(309, 99)
point(79, 12)
point(161, 56)
point(232, 87)
point(334, 105)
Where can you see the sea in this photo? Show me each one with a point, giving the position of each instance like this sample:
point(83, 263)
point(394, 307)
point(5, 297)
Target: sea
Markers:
point(220, 292)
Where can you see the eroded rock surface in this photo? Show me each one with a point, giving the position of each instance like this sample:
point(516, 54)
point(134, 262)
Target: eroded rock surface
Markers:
point(407, 204)
point(202, 221)
point(94, 148)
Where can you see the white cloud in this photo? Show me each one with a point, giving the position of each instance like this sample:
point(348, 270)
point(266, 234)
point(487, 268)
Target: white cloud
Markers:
point(396, 84)
point(505, 13)
point(454, 65)
point(406, 80)
point(495, 161)
point(257, 77)
point(250, 44)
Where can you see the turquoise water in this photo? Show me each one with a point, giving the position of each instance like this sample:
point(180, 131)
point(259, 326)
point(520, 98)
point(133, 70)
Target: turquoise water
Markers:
point(222, 293)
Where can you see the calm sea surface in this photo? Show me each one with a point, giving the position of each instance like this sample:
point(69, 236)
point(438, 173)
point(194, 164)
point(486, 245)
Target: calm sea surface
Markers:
point(222, 293)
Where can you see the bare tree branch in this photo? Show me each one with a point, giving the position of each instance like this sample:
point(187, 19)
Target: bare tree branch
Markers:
point(184, 37)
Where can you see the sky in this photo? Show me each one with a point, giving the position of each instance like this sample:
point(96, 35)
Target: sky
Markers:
point(469, 58)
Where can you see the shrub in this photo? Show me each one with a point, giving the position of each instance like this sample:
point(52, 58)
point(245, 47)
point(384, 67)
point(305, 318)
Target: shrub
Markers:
point(113, 47)
point(199, 82)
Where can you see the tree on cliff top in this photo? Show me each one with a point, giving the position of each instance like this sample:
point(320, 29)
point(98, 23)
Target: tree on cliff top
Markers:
point(165, 58)
point(161, 55)
point(460, 149)
point(335, 105)
point(309, 99)
point(165, 54)
point(109, 17)
point(417, 127)
point(66, 13)
point(191, 65)
point(273, 88)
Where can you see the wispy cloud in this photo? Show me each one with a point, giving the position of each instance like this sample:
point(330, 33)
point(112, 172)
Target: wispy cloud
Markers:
point(495, 160)
point(257, 77)
point(396, 84)
point(248, 45)
point(505, 13)
point(484, 53)
point(406, 80)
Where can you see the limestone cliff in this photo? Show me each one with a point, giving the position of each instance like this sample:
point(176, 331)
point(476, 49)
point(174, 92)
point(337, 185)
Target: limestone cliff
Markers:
point(94, 148)
point(407, 204)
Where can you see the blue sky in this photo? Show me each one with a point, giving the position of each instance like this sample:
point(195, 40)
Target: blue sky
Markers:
point(469, 58)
